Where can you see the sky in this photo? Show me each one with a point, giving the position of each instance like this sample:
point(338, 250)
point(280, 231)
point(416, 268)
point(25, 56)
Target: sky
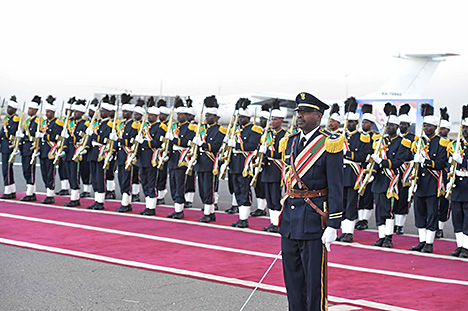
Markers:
point(332, 49)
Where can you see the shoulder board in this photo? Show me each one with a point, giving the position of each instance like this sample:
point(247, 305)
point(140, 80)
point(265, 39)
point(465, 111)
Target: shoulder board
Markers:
point(365, 138)
point(326, 132)
point(86, 123)
point(257, 129)
point(110, 124)
point(59, 122)
point(406, 142)
point(376, 136)
point(136, 125)
point(163, 126)
point(36, 120)
point(334, 143)
point(444, 142)
point(283, 143)
point(222, 130)
point(118, 122)
point(192, 127)
point(16, 118)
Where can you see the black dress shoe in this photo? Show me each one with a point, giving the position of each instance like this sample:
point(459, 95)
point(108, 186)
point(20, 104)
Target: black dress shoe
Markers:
point(362, 225)
point(85, 195)
point(456, 253)
point(8, 196)
point(72, 203)
point(267, 228)
point(135, 198)
point(63, 192)
point(148, 212)
point(388, 242)
point(92, 206)
point(233, 210)
point(348, 238)
point(110, 195)
point(176, 215)
point(272, 228)
point(399, 230)
point(124, 209)
point(379, 242)
point(340, 237)
point(439, 234)
point(98, 206)
point(29, 198)
point(428, 248)
point(48, 200)
point(464, 253)
point(241, 223)
point(418, 247)
point(160, 201)
point(207, 218)
point(216, 207)
point(188, 204)
point(258, 212)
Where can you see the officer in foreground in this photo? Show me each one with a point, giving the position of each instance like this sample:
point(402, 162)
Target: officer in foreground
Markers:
point(312, 209)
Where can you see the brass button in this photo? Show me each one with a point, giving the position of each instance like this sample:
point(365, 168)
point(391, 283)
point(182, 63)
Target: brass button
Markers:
point(293, 207)
point(423, 174)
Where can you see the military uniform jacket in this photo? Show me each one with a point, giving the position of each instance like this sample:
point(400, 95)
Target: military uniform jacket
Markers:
point(460, 189)
point(396, 150)
point(124, 145)
point(148, 147)
point(436, 160)
point(183, 133)
point(272, 162)
point(299, 220)
point(247, 140)
point(10, 126)
point(75, 129)
point(359, 146)
point(52, 130)
point(30, 126)
point(208, 151)
point(99, 137)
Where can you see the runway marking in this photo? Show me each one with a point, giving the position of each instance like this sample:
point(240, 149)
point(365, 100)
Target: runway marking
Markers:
point(206, 276)
point(233, 250)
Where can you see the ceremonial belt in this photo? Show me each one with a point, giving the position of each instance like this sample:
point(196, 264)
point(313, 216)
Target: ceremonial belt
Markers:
point(461, 173)
point(297, 193)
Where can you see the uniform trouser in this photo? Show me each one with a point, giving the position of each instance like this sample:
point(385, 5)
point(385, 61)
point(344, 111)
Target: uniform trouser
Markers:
point(402, 208)
point(7, 169)
point(73, 174)
point(216, 183)
point(148, 180)
point(383, 208)
point(460, 217)
point(242, 189)
point(177, 182)
point(48, 173)
point(304, 272)
point(273, 195)
point(426, 212)
point(162, 179)
point(85, 172)
point(62, 169)
point(350, 203)
point(135, 175)
point(206, 186)
point(29, 171)
point(98, 180)
point(110, 173)
point(125, 181)
point(260, 190)
point(230, 183)
point(444, 209)
point(367, 200)
point(190, 183)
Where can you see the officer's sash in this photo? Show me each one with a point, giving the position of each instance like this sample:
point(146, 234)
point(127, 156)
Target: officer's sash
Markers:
point(406, 168)
point(437, 175)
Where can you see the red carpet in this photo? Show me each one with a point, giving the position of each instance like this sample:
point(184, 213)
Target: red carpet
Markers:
point(358, 275)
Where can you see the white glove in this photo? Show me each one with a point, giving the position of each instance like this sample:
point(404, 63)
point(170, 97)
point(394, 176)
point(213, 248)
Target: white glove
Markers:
point(38, 154)
point(64, 133)
point(62, 154)
point(371, 179)
point(16, 153)
point(113, 136)
point(226, 139)
point(89, 131)
point(232, 143)
point(262, 149)
point(169, 136)
point(197, 141)
point(139, 139)
point(328, 236)
point(457, 157)
point(84, 151)
point(418, 158)
point(39, 135)
point(166, 159)
point(376, 158)
point(19, 134)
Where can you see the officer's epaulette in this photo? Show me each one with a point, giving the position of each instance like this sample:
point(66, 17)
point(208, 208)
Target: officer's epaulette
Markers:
point(36, 120)
point(16, 118)
point(257, 129)
point(118, 122)
point(163, 126)
point(376, 136)
point(334, 143)
point(86, 123)
point(325, 132)
point(59, 122)
point(192, 127)
point(284, 142)
point(223, 130)
point(365, 138)
point(136, 125)
point(444, 142)
point(406, 143)
point(110, 123)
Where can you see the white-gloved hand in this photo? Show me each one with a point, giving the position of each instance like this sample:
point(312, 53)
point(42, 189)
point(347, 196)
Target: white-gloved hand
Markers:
point(262, 149)
point(169, 136)
point(371, 179)
point(19, 134)
point(64, 133)
point(139, 139)
point(17, 152)
point(62, 154)
point(84, 151)
point(232, 143)
point(226, 139)
point(328, 236)
point(457, 157)
point(418, 158)
point(166, 159)
point(376, 158)
point(39, 135)
point(197, 141)
point(38, 154)
point(113, 136)
point(89, 131)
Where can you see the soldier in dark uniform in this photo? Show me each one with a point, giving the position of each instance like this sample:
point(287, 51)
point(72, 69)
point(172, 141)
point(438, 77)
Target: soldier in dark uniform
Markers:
point(459, 197)
point(62, 166)
point(432, 159)
point(357, 147)
point(402, 208)
point(96, 143)
point(444, 204)
point(30, 126)
point(85, 171)
point(392, 153)
point(209, 143)
point(335, 119)
point(273, 167)
point(366, 202)
point(10, 129)
point(161, 182)
point(179, 137)
point(312, 209)
point(50, 130)
point(110, 173)
point(190, 179)
point(244, 144)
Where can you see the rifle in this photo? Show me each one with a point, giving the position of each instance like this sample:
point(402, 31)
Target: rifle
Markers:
point(222, 149)
point(166, 142)
point(37, 141)
point(257, 166)
point(415, 171)
point(109, 149)
point(131, 158)
point(77, 156)
point(226, 156)
point(193, 153)
point(453, 166)
point(61, 140)
point(15, 140)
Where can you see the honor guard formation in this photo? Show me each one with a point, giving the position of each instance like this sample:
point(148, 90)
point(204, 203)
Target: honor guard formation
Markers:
point(309, 180)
